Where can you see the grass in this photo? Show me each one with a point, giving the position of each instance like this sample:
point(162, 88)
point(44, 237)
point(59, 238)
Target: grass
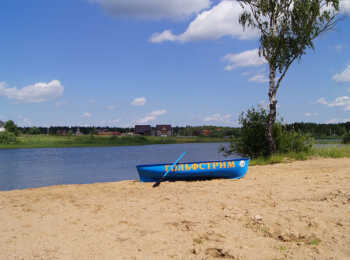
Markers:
point(314, 242)
point(283, 248)
point(45, 141)
point(329, 141)
point(320, 152)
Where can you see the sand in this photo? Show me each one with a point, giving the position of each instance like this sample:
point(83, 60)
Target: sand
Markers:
point(298, 210)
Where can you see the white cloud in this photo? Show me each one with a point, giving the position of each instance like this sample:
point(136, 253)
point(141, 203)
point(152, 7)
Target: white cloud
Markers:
point(249, 58)
point(337, 120)
point(114, 121)
point(166, 35)
point(146, 119)
point(39, 92)
point(322, 101)
point(158, 112)
point(344, 76)
point(141, 101)
point(111, 122)
point(86, 114)
point(111, 107)
point(343, 101)
point(263, 104)
point(221, 20)
point(151, 116)
point(218, 21)
point(259, 78)
point(332, 121)
point(24, 121)
point(153, 9)
point(339, 47)
point(61, 103)
point(246, 73)
point(217, 118)
point(345, 6)
point(309, 114)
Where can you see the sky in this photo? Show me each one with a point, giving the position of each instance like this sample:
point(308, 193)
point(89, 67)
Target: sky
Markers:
point(179, 62)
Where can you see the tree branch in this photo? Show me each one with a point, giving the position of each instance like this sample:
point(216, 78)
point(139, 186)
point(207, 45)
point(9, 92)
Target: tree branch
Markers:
point(284, 73)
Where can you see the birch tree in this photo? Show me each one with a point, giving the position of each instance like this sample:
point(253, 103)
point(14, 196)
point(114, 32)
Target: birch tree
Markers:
point(287, 29)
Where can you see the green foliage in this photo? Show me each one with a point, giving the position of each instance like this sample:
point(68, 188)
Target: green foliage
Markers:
point(346, 138)
point(323, 152)
point(288, 28)
point(41, 141)
point(283, 248)
point(93, 131)
point(34, 131)
point(11, 127)
point(332, 152)
point(253, 141)
point(314, 242)
point(7, 138)
point(291, 141)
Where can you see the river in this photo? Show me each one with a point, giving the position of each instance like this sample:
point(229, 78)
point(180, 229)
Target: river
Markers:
point(31, 168)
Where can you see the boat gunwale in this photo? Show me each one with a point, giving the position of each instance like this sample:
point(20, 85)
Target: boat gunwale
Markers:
point(159, 164)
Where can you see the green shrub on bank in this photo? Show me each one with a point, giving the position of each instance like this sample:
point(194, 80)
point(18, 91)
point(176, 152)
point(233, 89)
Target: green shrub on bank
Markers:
point(7, 138)
point(291, 141)
point(346, 138)
point(11, 127)
point(253, 141)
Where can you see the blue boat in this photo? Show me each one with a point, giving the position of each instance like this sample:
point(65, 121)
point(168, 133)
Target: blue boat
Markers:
point(228, 169)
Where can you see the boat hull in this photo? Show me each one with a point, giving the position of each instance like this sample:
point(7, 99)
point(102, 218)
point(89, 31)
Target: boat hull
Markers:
point(228, 169)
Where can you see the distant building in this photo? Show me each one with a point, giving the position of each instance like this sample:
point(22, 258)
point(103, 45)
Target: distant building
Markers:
point(143, 130)
point(164, 130)
point(61, 132)
point(2, 126)
point(78, 132)
point(128, 134)
point(108, 133)
point(205, 132)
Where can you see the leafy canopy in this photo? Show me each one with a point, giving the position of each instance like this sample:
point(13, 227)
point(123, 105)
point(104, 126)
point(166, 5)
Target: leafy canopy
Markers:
point(11, 127)
point(288, 27)
point(253, 143)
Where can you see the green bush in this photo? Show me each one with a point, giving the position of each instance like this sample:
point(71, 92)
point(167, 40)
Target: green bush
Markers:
point(346, 138)
point(34, 131)
point(7, 138)
point(291, 141)
point(253, 141)
point(11, 127)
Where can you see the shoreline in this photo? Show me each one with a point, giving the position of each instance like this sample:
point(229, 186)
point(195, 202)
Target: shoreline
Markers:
point(37, 142)
point(292, 210)
point(44, 141)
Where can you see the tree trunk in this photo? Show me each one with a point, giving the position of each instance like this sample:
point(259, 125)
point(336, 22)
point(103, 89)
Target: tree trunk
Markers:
point(272, 112)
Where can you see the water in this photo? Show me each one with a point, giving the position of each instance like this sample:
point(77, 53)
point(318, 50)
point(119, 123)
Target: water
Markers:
point(30, 168)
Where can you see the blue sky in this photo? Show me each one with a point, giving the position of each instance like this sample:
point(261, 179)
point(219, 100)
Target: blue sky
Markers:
point(126, 62)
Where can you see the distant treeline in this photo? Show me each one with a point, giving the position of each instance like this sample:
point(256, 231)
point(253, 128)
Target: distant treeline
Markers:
point(314, 129)
point(59, 130)
point(321, 130)
point(212, 131)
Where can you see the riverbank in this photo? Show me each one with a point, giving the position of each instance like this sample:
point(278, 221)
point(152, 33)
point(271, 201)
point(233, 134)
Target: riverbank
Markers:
point(341, 151)
point(48, 141)
point(298, 210)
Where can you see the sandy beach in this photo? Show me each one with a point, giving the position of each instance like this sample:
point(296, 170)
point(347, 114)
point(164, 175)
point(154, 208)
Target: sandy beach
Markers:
point(298, 210)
